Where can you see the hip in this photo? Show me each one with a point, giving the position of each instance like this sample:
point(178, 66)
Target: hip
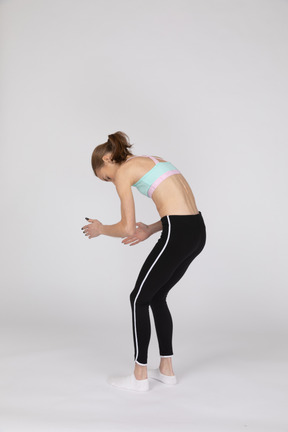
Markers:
point(184, 231)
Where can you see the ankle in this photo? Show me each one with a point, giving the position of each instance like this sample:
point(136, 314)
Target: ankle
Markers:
point(166, 371)
point(140, 372)
point(140, 376)
point(165, 366)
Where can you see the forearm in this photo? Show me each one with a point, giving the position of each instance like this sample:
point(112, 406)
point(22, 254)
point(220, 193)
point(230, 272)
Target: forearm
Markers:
point(115, 230)
point(157, 226)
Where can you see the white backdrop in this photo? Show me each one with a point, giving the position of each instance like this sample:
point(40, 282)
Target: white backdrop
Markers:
point(202, 84)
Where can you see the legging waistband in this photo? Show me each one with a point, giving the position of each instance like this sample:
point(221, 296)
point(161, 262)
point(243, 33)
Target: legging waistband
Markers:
point(182, 219)
point(189, 216)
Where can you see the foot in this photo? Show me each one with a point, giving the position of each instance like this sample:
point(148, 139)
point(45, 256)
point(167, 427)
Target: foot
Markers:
point(159, 376)
point(129, 382)
point(168, 372)
point(165, 366)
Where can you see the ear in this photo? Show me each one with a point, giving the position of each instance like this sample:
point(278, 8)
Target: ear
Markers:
point(107, 157)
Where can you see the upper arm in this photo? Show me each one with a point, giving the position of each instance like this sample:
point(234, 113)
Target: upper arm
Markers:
point(124, 191)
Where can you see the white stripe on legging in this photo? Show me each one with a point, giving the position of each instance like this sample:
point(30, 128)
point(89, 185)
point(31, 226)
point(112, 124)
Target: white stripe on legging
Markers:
point(143, 283)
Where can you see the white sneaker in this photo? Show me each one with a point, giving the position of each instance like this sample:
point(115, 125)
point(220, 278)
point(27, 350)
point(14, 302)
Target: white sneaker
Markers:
point(129, 383)
point(166, 379)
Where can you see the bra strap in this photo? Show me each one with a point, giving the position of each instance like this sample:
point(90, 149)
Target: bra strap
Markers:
point(153, 158)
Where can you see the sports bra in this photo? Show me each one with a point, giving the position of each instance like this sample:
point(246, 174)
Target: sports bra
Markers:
point(151, 180)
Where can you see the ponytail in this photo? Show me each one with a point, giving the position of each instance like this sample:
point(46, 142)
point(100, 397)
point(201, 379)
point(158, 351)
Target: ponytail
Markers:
point(118, 144)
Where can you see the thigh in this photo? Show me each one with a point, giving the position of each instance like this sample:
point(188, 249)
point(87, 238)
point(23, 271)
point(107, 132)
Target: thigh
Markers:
point(175, 249)
point(156, 271)
point(176, 275)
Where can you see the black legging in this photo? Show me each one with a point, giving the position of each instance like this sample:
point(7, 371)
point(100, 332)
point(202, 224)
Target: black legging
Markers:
point(183, 238)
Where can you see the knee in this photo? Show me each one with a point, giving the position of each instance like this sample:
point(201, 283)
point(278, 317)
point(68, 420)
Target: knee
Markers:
point(132, 297)
point(138, 300)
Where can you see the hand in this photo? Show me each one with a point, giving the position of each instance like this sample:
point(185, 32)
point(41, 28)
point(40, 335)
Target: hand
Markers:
point(92, 230)
point(142, 233)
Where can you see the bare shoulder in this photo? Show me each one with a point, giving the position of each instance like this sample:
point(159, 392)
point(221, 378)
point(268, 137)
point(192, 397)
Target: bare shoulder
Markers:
point(125, 174)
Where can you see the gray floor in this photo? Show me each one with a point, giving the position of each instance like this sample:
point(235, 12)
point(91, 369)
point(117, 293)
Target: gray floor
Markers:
point(55, 380)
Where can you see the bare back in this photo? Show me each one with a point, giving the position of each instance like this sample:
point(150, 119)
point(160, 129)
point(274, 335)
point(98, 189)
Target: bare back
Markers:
point(173, 196)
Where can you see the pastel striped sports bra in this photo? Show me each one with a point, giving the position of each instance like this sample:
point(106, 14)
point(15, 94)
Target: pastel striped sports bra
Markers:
point(151, 180)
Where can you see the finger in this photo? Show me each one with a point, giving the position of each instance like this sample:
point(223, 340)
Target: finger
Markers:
point(128, 241)
point(132, 244)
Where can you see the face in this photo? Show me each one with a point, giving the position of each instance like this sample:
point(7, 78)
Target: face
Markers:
point(108, 170)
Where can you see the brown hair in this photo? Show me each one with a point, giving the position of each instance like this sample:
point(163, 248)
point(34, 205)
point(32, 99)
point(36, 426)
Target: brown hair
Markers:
point(117, 143)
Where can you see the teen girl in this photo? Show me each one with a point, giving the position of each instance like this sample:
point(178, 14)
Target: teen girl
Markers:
point(183, 237)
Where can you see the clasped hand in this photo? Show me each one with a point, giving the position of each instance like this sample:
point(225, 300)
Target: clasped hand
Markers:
point(141, 233)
